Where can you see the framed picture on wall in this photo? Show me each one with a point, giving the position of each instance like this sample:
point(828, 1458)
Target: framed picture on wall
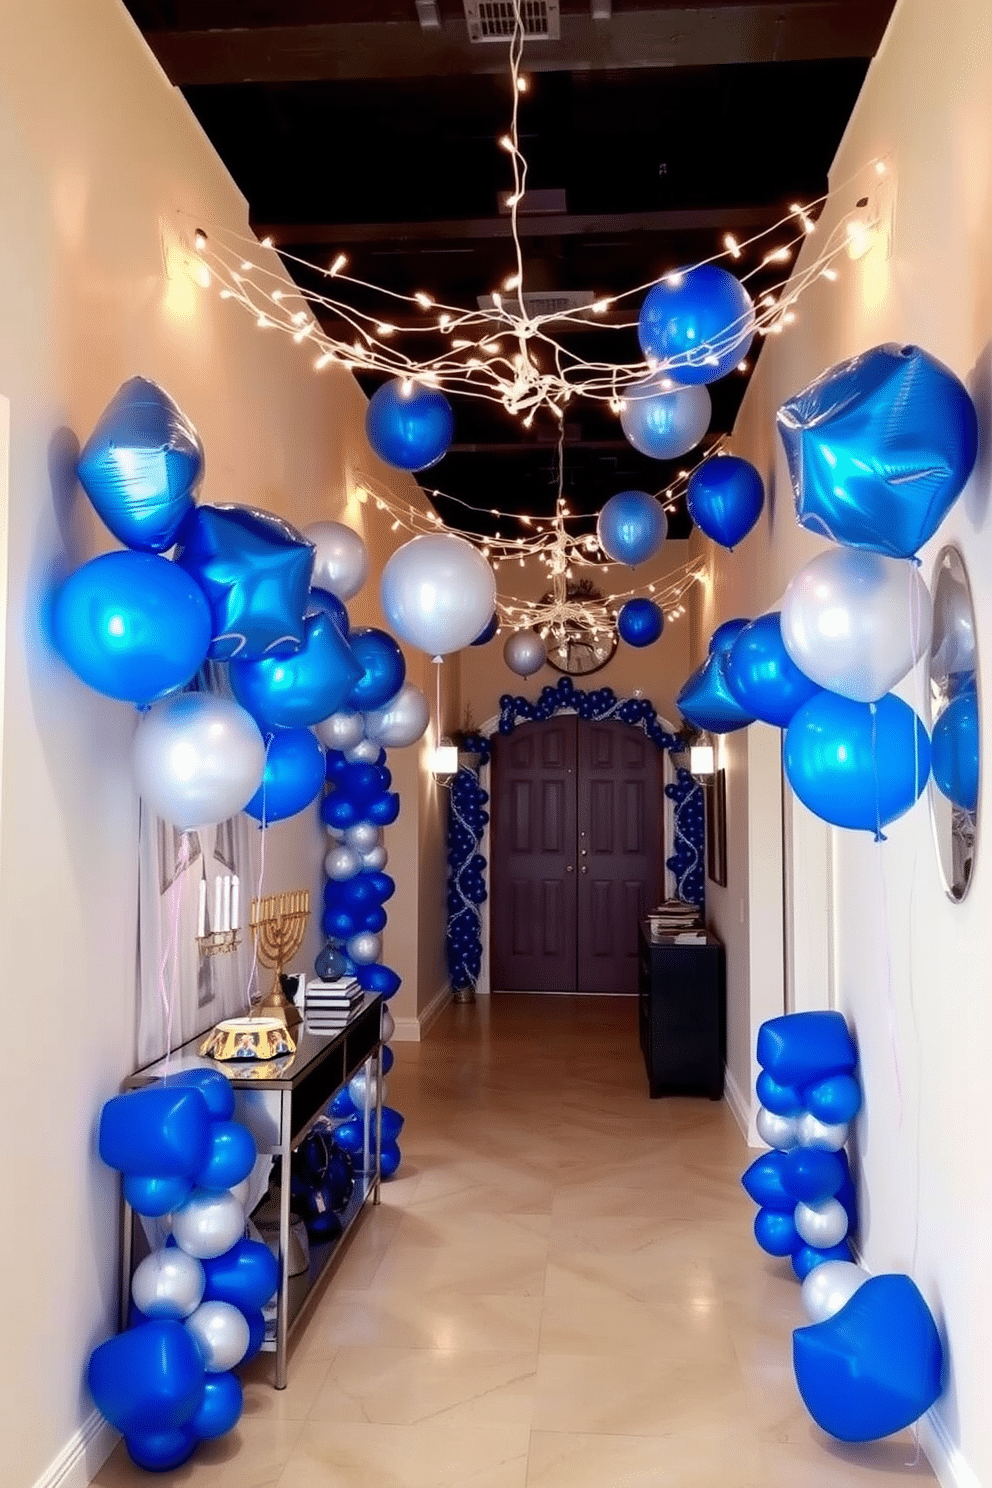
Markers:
point(716, 827)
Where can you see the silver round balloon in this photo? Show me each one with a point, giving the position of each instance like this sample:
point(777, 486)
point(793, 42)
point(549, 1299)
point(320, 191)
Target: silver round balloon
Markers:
point(220, 1332)
point(197, 758)
point(366, 752)
point(813, 1133)
point(365, 947)
point(362, 1087)
point(388, 1025)
point(363, 836)
point(342, 731)
point(778, 1131)
point(829, 1287)
point(375, 859)
point(822, 1225)
point(342, 862)
point(524, 652)
point(402, 721)
point(168, 1284)
point(438, 593)
point(341, 562)
point(662, 420)
point(856, 622)
point(208, 1224)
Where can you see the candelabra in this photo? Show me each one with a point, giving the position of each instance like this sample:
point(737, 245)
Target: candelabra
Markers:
point(278, 923)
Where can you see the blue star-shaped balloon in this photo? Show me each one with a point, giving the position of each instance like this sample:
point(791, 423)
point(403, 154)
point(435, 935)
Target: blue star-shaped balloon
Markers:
point(878, 449)
point(707, 701)
point(255, 570)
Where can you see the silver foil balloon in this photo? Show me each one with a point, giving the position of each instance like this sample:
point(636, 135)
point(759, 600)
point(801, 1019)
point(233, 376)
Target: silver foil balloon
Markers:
point(362, 1088)
point(365, 947)
point(220, 1332)
point(524, 652)
point(814, 1133)
point(342, 731)
point(365, 752)
point(197, 759)
point(342, 862)
point(341, 563)
point(375, 859)
point(388, 1025)
point(402, 721)
point(208, 1224)
point(829, 1287)
point(778, 1131)
point(168, 1284)
point(438, 593)
point(822, 1225)
point(856, 622)
point(363, 836)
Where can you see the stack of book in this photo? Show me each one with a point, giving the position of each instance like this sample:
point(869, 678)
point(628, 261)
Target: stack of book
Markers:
point(328, 1006)
point(678, 921)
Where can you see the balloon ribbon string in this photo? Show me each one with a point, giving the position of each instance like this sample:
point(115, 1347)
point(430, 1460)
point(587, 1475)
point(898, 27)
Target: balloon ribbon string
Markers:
point(172, 947)
point(253, 969)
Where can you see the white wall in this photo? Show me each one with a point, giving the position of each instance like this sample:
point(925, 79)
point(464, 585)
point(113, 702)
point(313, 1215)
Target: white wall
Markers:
point(99, 161)
point(871, 930)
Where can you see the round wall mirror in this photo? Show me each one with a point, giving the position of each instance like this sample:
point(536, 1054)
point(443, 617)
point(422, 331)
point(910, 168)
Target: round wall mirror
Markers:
point(954, 725)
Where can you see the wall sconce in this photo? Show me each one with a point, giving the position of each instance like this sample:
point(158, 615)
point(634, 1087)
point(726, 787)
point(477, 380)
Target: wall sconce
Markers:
point(701, 760)
point(444, 759)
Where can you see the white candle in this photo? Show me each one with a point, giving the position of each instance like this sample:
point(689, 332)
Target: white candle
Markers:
point(235, 903)
point(201, 921)
point(225, 923)
point(215, 922)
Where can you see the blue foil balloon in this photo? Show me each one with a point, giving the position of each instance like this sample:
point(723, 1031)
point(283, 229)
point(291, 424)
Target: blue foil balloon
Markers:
point(698, 322)
point(879, 447)
point(255, 570)
point(857, 765)
point(140, 465)
point(631, 527)
point(293, 776)
point(956, 756)
point(132, 626)
point(706, 700)
point(664, 423)
point(323, 599)
point(640, 622)
point(383, 669)
point(762, 675)
point(409, 426)
point(300, 690)
point(725, 497)
point(725, 635)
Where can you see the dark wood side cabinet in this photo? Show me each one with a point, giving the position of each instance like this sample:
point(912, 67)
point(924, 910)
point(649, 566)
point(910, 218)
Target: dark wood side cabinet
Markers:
point(682, 1016)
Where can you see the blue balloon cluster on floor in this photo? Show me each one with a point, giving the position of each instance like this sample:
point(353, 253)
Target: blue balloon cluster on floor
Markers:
point(467, 818)
point(166, 1383)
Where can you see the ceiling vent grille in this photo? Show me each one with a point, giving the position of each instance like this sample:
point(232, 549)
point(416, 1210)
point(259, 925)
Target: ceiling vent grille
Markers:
point(493, 20)
point(542, 302)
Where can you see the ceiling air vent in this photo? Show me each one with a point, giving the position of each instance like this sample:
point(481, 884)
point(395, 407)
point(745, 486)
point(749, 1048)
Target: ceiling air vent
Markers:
point(542, 302)
point(493, 20)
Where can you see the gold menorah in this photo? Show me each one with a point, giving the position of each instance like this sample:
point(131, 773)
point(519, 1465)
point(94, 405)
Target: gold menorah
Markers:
point(278, 923)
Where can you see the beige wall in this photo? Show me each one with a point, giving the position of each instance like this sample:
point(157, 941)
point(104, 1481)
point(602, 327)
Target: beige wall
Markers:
point(100, 161)
point(869, 928)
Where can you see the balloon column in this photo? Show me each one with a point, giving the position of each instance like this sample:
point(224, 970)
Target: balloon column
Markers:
point(870, 1362)
point(467, 817)
point(166, 1383)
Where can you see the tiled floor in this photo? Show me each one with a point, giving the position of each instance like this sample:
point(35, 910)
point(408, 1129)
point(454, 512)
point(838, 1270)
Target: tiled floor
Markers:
point(560, 1290)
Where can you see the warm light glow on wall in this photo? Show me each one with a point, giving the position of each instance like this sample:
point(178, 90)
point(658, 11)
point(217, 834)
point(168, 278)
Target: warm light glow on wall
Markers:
point(444, 759)
point(701, 759)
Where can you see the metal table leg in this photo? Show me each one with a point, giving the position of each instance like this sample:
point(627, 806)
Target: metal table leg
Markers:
point(282, 1320)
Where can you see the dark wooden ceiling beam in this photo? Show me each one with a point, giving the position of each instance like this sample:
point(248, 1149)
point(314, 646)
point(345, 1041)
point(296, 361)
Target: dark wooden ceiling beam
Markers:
point(778, 31)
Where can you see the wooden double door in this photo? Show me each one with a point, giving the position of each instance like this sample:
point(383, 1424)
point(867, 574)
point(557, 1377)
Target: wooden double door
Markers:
point(576, 855)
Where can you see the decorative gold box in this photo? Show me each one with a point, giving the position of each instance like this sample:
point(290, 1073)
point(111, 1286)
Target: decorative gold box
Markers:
point(248, 1038)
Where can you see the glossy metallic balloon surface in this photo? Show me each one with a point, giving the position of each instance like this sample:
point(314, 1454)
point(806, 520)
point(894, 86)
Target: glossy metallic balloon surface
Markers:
point(778, 1131)
point(342, 862)
point(362, 1088)
point(438, 593)
point(388, 1025)
point(664, 423)
point(856, 622)
point(813, 1133)
point(363, 836)
point(365, 752)
point(402, 721)
point(341, 731)
point(365, 947)
point(829, 1286)
point(706, 700)
point(822, 1225)
point(197, 758)
point(698, 322)
point(220, 1331)
point(168, 1283)
point(375, 859)
point(208, 1224)
point(341, 563)
point(524, 652)
point(631, 527)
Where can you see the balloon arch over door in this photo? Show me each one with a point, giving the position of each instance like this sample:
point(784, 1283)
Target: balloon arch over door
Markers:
point(467, 866)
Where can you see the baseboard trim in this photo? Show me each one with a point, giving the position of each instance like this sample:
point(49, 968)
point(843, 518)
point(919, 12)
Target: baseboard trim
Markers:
point(412, 1030)
point(945, 1457)
point(82, 1456)
point(740, 1108)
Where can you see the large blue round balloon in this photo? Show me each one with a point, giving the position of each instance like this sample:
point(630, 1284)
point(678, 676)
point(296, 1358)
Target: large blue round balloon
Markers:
point(255, 570)
point(698, 322)
point(857, 765)
point(147, 1379)
point(383, 669)
point(293, 777)
point(762, 675)
point(956, 755)
point(631, 527)
point(297, 691)
point(640, 622)
point(220, 1409)
point(879, 447)
point(132, 626)
point(409, 426)
point(725, 497)
point(725, 635)
point(664, 423)
point(140, 465)
point(706, 700)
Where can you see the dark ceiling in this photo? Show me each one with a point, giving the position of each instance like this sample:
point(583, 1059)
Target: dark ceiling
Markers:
point(372, 126)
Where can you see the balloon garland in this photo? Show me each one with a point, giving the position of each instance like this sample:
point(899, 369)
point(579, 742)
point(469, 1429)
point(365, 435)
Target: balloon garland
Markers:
point(467, 818)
